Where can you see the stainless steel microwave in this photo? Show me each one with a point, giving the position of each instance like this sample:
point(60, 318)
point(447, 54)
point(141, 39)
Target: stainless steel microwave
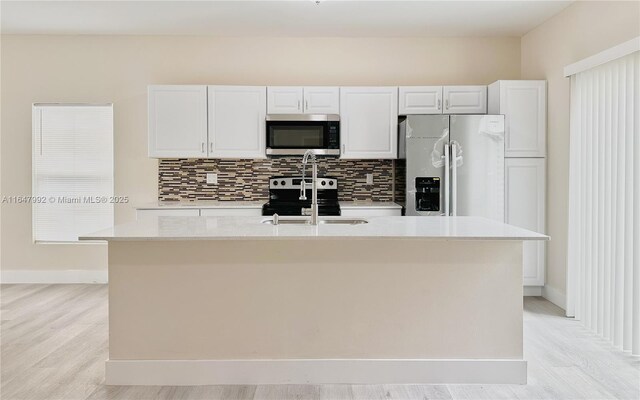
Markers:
point(293, 134)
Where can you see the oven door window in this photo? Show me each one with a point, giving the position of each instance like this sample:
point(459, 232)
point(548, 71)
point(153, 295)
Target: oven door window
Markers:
point(296, 136)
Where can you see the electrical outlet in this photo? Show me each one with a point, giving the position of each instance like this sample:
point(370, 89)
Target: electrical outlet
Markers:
point(212, 179)
point(369, 179)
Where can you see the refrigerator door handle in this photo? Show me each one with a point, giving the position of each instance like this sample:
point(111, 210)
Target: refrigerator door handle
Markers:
point(446, 179)
point(454, 179)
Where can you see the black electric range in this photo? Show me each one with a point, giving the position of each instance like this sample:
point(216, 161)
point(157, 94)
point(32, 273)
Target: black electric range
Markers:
point(284, 196)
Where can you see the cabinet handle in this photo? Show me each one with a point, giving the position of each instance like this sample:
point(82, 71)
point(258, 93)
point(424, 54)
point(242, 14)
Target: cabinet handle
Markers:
point(298, 105)
point(202, 147)
point(343, 148)
point(211, 147)
point(439, 103)
point(306, 105)
point(446, 104)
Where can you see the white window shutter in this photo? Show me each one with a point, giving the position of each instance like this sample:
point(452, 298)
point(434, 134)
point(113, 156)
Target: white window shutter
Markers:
point(72, 171)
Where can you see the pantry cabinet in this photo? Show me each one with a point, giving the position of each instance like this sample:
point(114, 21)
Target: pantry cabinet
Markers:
point(177, 121)
point(369, 122)
point(303, 100)
point(237, 121)
point(525, 207)
point(523, 103)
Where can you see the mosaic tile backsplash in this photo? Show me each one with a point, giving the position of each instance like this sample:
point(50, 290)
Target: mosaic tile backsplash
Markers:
point(181, 179)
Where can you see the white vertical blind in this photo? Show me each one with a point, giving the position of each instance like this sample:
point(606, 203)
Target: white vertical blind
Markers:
point(604, 201)
point(72, 171)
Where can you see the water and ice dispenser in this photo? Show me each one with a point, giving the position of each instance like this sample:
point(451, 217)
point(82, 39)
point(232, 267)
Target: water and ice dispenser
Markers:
point(427, 193)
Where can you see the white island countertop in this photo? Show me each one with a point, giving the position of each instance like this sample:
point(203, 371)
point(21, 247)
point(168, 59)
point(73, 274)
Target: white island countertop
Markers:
point(252, 228)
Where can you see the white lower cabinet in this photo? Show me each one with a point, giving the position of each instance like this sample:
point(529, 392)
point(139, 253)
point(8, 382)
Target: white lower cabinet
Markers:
point(205, 212)
point(370, 212)
point(167, 212)
point(231, 212)
point(525, 207)
point(369, 122)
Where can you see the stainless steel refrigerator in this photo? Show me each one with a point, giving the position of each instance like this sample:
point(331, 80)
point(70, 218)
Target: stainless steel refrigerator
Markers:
point(454, 165)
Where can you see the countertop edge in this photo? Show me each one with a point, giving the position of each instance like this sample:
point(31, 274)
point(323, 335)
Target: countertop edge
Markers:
point(258, 205)
point(260, 238)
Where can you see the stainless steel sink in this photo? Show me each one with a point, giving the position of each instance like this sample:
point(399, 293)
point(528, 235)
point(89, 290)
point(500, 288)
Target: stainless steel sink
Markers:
point(287, 222)
point(350, 221)
point(344, 221)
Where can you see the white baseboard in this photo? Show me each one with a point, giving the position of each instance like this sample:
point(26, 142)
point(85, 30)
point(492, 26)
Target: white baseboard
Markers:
point(54, 276)
point(315, 371)
point(555, 296)
point(532, 291)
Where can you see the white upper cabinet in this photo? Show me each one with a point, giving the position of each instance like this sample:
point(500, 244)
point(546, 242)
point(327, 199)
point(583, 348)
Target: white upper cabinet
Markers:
point(177, 121)
point(465, 99)
point(299, 100)
point(525, 207)
point(442, 100)
point(420, 100)
point(369, 122)
point(237, 121)
point(321, 100)
point(284, 100)
point(523, 103)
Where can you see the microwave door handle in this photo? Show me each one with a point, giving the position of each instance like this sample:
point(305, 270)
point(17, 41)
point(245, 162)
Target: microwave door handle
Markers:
point(446, 179)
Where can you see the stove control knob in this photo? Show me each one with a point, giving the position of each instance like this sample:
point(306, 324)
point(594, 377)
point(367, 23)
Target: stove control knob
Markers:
point(330, 183)
point(323, 183)
point(282, 183)
point(275, 183)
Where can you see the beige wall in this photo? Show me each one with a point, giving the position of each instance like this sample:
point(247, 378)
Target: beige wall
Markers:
point(118, 69)
point(581, 30)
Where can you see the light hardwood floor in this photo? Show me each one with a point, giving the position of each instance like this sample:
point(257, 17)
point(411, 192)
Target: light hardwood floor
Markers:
point(54, 343)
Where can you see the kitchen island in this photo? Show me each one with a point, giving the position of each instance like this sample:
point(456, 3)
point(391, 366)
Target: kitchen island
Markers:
point(235, 300)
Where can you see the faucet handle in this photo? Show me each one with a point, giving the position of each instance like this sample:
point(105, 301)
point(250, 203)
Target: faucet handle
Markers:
point(303, 190)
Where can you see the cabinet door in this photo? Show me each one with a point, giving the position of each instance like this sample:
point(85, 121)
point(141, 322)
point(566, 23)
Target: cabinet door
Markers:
point(237, 121)
point(231, 212)
point(167, 212)
point(321, 100)
point(523, 104)
point(524, 207)
point(420, 100)
point(284, 100)
point(364, 212)
point(369, 122)
point(465, 99)
point(177, 121)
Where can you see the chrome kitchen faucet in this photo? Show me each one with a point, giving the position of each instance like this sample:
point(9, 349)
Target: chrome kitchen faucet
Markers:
point(313, 211)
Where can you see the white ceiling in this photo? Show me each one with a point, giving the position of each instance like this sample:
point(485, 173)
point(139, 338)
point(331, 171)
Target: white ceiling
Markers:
point(278, 18)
